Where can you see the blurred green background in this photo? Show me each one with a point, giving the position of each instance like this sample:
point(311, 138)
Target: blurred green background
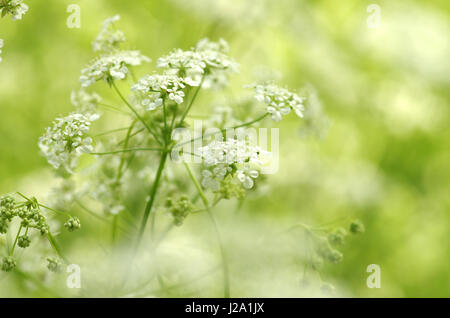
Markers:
point(385, 157)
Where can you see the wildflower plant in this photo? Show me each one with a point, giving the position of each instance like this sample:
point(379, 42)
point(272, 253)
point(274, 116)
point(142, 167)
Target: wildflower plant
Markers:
point(132, 162)
point(15, 8)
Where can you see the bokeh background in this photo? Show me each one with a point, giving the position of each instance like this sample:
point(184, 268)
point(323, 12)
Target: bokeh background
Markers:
point(381, 154)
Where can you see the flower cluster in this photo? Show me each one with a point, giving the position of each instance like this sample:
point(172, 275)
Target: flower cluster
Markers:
point(324, 243)
point(66, 140)
point(279, 101)
point(72, 224)
point(84, 102)
point(29, 213)
point(110, 67)
point(155, 88)
point(1, 46)
point(109, 38)
point(179, 209)
point(207, 62)
point(233, 156)
point(54, 264)
point(16, 8)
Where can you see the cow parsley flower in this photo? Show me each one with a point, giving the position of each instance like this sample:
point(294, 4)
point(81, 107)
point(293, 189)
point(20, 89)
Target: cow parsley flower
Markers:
point(84, 102)
point(155, 88)
point(109, 38)
point(207, 61)
point(1, 46)
point(66, 140)
point(230, 157)
point(111, 67)
point(14, 7)
point(279, 101)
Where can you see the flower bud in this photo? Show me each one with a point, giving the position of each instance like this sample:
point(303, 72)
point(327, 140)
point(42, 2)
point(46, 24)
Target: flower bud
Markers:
point(357, 227)
point(72, 224)
point(8, 264)
point(23, 241)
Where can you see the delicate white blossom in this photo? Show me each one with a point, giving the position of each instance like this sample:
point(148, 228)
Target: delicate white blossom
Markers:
point(66, 140)
point(208, 61)
point(226, 157)
point(279, 101)
point(111, 67)
point(84, 102)
point(14, 7)
point(246, 175)
point(109, 38)
point(155, 88)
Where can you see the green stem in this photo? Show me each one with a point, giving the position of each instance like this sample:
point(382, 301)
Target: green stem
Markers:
point(125, 150)
point(56, 247)
point(225, 265)
point(15, 241)
point(135, 112)
point(225, 129)
point(186, 111)
point(153, 191)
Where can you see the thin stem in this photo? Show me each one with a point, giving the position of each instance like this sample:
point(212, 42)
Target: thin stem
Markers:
point(15, 241)
point(109, 107)
point(186, 111)
point(153, 191)
point(125, 150)
point(110, 131)
point(225, 265)
point(56, 247)
point(134, 111)
point(53, 210)
point(225, 129)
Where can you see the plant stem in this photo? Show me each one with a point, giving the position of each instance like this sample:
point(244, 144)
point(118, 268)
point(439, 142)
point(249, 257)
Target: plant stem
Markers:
point(15, 241)
point(153, 191)
point(225, 265)
point(225, 129)
point(186, 111)
point(56, 247)
point(135, 112)
point(125, 150)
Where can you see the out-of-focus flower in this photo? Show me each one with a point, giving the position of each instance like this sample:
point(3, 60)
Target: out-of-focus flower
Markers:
point(208, 61)
point(1, 46)
point(66, 140)
point(16, 8)
point(111, 67)
point(84, 102)
point(279, 101)
point(156, 88)
point(109, 38)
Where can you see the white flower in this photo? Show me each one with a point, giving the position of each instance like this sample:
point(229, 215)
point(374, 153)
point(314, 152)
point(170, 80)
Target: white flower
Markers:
point(229, 152)
point(211, 178)
point(279, 101)
point(15, 7)
point(111, 67)
point(233, 156)
point(84, 102)
point(208, 59)
point(155, 88)
point(246, 176)
point(66, 140)
point(109, 38)
point(1, 45)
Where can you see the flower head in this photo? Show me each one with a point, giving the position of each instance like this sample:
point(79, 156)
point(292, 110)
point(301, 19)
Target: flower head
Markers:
point(84, 102)
point(8, 264)
point(231, 157)
point(208, 61)
point(155, 88)
point(109, 38)
point(279, 101)
point(14, 7)
point(110, 67)
point(66, 140)
point(72, 224)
